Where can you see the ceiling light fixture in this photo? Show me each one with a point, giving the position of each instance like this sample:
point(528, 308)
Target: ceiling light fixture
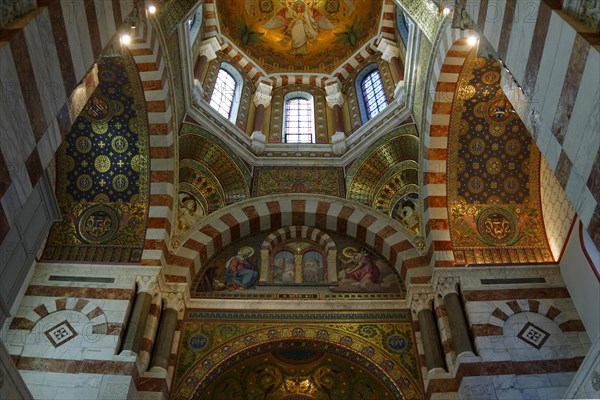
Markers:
point(151, 9)
point(125, 39)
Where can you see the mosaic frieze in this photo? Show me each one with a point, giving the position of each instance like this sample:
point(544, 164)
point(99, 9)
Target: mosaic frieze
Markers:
point(321, 180)
point(174, 68)
point(340, 265)
point(299, 35)
point(214, 345)
point(277, 112)
point(171, 13)
point(102, 173)
point(418, 91)
point(426, 14)
point(493, 170)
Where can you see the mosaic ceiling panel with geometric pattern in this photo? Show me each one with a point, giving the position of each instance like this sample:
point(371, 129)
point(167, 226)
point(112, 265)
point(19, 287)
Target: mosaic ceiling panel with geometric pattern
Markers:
point(102, 173)
point(493, 173)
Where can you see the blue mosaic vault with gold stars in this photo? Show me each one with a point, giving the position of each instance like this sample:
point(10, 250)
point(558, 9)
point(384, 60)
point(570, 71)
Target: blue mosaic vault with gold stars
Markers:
point(102, 173)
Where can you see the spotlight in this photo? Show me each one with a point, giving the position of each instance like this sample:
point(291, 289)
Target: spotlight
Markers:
point(472, 40)
point(151, 9)
point(125, 39)
point(446, 11)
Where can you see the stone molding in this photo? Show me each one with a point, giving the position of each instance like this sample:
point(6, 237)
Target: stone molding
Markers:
point(388, 49)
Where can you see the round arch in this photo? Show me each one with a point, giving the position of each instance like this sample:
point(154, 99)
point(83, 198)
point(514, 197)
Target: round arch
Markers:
point(269, 213)
point(380, 363)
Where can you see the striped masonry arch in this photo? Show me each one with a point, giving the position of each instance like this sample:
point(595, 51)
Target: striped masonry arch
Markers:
point(150, 60)
point(270, 213)
point(449, 58)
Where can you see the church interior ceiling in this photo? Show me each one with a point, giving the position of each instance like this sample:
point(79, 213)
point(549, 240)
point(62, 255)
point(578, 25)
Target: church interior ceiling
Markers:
point(493, 174)
point(303, 261)
point(272, 355)
point(102, 173)
point(306, 35)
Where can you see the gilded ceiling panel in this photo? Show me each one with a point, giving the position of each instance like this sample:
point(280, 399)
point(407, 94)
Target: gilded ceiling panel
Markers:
point(210, 153)
point(299, 35)
point(387, 162)
point(493, 174)
point(102, 173)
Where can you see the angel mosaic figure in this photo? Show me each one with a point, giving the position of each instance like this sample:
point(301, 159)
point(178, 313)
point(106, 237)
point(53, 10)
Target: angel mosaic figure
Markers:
point(360, 267)
point(302, 22)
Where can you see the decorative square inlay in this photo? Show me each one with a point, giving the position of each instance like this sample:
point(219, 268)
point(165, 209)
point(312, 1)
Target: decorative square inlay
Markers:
point(533, 335)
point(60, 333)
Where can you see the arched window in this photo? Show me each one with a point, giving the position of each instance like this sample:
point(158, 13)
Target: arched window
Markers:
point(371, 95)
point(298, 118)
point(226, 94)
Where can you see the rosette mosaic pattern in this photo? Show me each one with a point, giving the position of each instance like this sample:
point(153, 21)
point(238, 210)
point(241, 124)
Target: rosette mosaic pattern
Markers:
point(102, 173)
point(494, 169)
point(307, 356)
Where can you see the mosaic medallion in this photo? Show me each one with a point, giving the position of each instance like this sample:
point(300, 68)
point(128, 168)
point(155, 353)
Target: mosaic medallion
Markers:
point(533, 335)
point(102, 163)
point(496, 225)
point(60, 333)
point(83, 144)
point(97, 109)
point(98, 224)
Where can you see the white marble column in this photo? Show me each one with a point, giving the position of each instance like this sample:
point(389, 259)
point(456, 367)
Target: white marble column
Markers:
point(335, 101)
point(262, 100)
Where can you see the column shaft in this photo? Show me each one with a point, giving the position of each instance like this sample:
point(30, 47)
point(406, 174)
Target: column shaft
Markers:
point(137, 322)
point(164, 339)
point(259, 118)
point(395, 62)
point(199, 68)
point(431, 340)
point(337, 118)
point(458, 324)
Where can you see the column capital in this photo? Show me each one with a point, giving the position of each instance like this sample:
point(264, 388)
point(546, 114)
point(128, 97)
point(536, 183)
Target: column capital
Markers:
point(335, 97)
point(146, 284)
point(262, 94)
point(209, 48)
point(173, 300)
point(388, 49)
point(421, 301)
point(447, 285)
